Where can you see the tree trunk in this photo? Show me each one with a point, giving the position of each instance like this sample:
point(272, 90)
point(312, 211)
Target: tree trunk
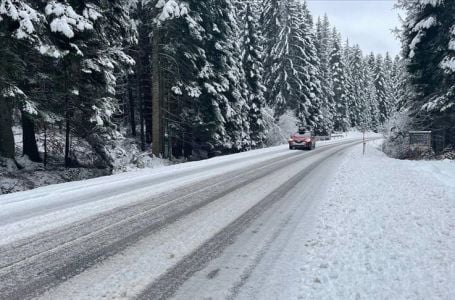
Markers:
point(45, 145)
point(6, 131)
point(141, 112)
point(132, 108)
point(67, 133)
point(144, 77)
point(30, 148)
point(156, 96)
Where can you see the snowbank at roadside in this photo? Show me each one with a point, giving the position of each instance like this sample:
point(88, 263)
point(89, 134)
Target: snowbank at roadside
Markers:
point(386, 231)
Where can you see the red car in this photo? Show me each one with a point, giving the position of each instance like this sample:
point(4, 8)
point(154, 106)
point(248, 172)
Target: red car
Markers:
point(302, 140)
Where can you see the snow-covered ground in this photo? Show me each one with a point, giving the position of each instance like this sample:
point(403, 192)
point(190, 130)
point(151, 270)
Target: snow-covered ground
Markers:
point(353, 227)
point(381, 229)
point(385, 231)
point(128, 220)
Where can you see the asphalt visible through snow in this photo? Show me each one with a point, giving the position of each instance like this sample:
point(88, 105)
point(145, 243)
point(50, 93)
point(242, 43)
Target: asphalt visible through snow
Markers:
point(197, 240)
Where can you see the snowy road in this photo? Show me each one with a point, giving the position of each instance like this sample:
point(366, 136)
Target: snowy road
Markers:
point(190, 231)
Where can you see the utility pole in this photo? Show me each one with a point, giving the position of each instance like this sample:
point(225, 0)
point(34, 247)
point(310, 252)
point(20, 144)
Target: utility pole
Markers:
point(156, 95)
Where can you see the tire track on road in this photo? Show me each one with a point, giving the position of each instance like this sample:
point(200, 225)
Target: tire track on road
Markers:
point(166, 286)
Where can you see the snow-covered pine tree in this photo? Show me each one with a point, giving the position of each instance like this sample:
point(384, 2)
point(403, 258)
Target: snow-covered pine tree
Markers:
point(223, 51)
point(107, 54)
point(357, 76)
point(350, 89)
point(87, 41)
point(340, 89)
point(20, 27)
point(324, 44)
point(320, 116)
point(210, 86)
point(382, 96)
point(276, 32)
point(253, 66)
point(192, 115)
point(270, 23)
point(291, 74)
point(371, 93)
point(389, 84)
point(429, 49)
point(400, 84)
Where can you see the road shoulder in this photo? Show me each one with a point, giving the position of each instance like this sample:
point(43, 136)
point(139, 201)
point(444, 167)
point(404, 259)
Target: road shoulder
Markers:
point(385, 231)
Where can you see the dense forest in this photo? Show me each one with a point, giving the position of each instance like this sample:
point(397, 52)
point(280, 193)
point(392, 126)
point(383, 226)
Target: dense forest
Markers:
point(91, 82)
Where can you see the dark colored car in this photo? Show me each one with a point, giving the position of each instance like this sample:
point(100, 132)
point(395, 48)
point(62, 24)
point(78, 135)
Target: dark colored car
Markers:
point(302, 140)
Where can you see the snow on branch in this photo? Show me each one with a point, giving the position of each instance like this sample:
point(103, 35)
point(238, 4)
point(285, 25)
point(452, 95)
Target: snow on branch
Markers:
point(22, 13)
point(170, 9)
point(12, 92)
point(448, 63)
point(430, 2)
point(425, 24)
point(66, 21)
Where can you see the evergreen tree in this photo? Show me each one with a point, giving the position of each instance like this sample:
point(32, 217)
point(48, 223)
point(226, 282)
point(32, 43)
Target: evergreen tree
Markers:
point(20, 27)
point(318, 114)
point(381, 89)
point(350, 90)
point(324, 45)
point(371, 93)
point(340, 92)
point(282, 79)
point(211, 86)
point(389, 84)
point(428, 47)
point(228, 84)
point(357, 74)
point(400, 84)
point(87, 38)
point(252, 63)
point(291, 75)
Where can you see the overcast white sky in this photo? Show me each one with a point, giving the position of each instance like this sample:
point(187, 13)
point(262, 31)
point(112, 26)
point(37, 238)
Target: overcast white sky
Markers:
point(365, 22)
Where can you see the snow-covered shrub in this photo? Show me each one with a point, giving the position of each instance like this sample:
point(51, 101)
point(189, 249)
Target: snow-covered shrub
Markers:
point(397, 144)
point(279, 132)
point(396, 131)
point(448, 153)
point(125, 155)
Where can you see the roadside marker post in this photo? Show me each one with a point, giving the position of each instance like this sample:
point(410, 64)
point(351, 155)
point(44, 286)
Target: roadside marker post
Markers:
point(364, 143)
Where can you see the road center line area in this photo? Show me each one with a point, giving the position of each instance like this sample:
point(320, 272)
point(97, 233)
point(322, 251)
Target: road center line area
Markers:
point(150, 241)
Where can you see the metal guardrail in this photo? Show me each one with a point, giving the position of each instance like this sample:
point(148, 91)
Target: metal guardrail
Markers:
point(322, 137)
point(337, 135)
point(330, 136)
